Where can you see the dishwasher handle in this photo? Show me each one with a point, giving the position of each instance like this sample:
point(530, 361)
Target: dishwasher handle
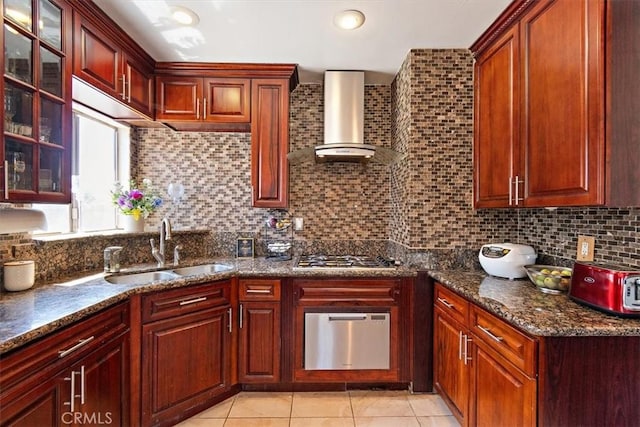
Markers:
point(342, 317)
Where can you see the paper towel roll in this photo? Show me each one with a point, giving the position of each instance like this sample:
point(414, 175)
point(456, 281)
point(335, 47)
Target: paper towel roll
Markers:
point(16, 220)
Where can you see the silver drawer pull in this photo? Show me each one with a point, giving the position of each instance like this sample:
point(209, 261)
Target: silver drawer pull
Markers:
point(488, 332)
point(81, 343)
point(445, 303)
point(193, 301)
point(258, 291)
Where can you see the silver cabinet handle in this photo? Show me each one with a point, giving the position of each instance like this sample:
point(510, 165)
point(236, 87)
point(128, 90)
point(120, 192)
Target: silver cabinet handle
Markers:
point(230, 324)
point(460, 345)
point(129, 90)
point(240, 316)
point(510, 189)
point(517, 199)
point(198, 108)
point(82, 384)
point(6, 179)
point(465, 353)
point(81, 343)
point(258, 291)
point(492, 336)
point(193, 301)
point(124, 84)
point(445, 303)
point(204, 110)
point(71, 402)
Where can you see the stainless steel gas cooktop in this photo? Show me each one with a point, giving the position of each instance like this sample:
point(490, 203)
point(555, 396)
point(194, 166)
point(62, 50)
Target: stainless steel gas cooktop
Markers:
point(319, 261)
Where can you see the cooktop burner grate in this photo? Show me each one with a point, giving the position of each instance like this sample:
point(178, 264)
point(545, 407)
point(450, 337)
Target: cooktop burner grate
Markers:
point(343, 261)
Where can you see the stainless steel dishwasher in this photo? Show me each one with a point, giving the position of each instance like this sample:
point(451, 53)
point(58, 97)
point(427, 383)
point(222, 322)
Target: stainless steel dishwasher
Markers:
point(346, 341)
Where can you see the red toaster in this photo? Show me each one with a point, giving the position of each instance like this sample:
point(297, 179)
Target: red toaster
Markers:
point(613, 289)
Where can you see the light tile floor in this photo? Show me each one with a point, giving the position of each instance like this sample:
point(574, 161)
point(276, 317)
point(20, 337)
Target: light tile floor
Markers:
point(327, 409)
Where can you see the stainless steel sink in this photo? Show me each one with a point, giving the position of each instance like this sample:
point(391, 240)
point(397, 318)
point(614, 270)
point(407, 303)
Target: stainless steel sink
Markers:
point(202, 269)
point(142, 278)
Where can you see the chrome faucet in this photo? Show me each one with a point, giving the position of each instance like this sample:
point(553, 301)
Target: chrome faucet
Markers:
point(165, 234)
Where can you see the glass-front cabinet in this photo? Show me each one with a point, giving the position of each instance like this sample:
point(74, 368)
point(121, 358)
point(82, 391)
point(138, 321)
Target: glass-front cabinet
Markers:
point(36, 146)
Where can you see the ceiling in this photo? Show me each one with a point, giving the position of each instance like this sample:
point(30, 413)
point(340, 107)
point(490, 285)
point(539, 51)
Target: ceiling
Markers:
point(302, 31)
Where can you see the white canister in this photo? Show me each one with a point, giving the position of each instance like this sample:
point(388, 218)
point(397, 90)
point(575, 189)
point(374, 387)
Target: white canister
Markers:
point(19, 275)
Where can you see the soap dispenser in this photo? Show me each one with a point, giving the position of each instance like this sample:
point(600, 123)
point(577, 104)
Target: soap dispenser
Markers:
point(112, 259)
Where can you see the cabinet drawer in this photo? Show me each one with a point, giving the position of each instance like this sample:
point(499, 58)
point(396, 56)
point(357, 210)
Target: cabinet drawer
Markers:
point(163, 304)
point(64, 346)
point(516, 347)
point(369, 292)
point(451, 303)
point(259, 290)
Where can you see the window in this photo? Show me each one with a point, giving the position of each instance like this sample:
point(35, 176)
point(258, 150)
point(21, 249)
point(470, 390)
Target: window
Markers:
point(100, 158)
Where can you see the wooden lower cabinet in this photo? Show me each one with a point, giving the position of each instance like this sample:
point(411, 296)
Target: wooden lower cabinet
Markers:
point(502, 394)
point(451, 373)
point(78, 376)
point(479, 374)
point(259, 329)
point(186, 357)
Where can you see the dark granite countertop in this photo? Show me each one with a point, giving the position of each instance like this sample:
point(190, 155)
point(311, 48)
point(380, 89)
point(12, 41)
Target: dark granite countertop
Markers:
point(28, 315)
point(520, 303)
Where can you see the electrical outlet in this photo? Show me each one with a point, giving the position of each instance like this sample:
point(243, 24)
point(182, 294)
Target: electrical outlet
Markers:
point(298, 224)
point(585, 248)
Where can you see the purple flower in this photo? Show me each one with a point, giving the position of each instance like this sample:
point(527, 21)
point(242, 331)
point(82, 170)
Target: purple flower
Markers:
point(136, 194)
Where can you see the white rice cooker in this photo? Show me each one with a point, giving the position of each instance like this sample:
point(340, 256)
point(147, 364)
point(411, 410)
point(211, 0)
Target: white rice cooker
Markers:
point(506, 259)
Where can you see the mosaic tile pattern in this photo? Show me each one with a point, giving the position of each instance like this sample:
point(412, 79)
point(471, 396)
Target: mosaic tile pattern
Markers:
point(339, 201)
point(431, 192)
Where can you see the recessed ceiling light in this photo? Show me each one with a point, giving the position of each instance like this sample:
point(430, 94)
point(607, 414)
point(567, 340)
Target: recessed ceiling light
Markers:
point(349, 19)
point(184, 16)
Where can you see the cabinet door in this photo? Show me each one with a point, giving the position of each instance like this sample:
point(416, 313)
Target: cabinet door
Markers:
point(451, 373)
point(178, 98)
point(496, 125)
point(100, 386)
point(185, 362)
point(270, 143)
point(563, 93)
point(38, 405)
point(96, 58)
point(139, 86)
point(259, 352)
point(227, 100)
point(501, 394)
point(35, 155)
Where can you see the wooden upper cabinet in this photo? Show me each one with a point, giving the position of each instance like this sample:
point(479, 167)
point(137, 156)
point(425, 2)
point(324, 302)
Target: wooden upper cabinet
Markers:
point(228, 100)
point(178, 98)
point(196, 99)
point(96, 58)
point(105, 62)
point(553, 107)
point(139, 85)
point(563, 85)
point(496, 127)
point(270, 143)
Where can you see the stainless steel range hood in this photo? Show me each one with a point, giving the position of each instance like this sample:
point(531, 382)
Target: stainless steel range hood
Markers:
point(344, 118)
point(344, 125)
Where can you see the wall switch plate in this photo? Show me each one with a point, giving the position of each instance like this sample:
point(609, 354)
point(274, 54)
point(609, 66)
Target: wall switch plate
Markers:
point(585, 249)
point(298, 224)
